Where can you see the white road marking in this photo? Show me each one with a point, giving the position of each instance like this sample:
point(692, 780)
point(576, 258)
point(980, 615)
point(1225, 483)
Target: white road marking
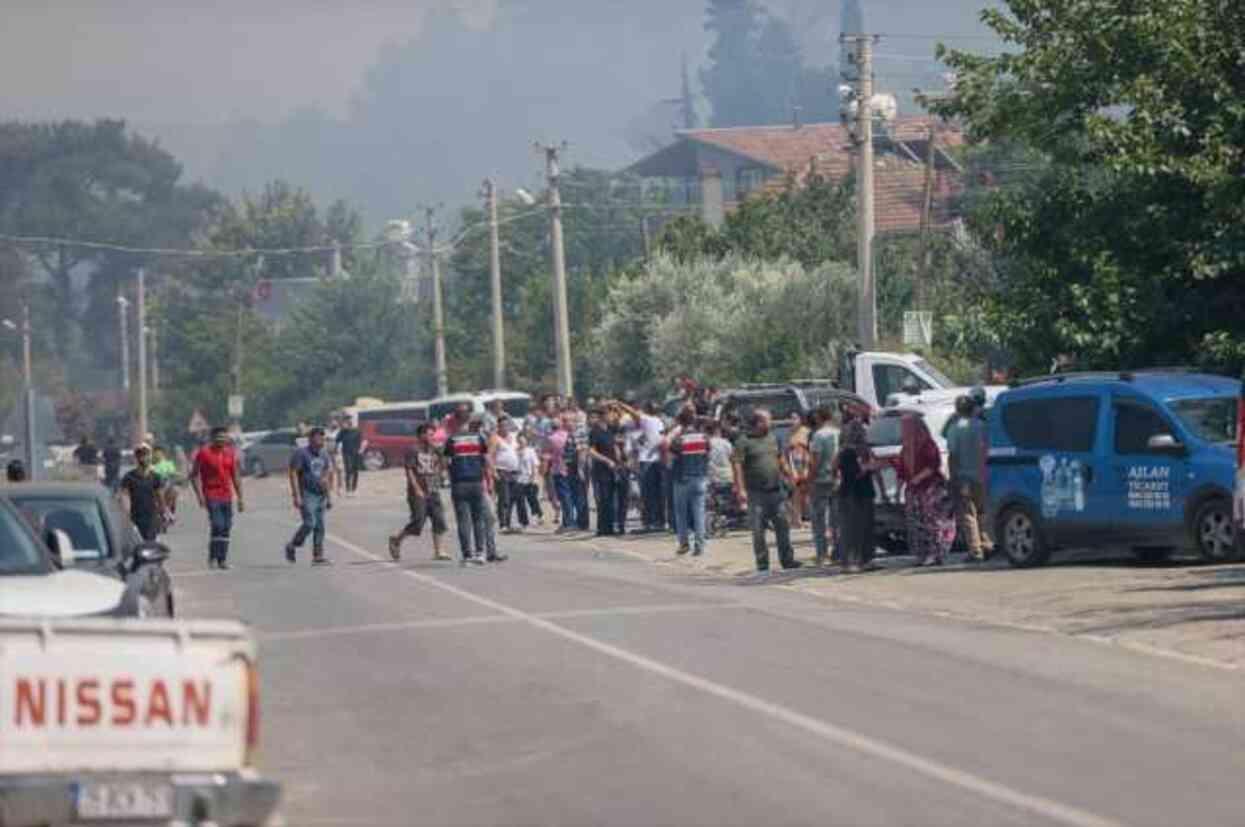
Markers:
point(1039, 805)
point(474, 620)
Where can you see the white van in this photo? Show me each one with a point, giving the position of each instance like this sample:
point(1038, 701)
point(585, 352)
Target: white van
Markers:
point(515, 403)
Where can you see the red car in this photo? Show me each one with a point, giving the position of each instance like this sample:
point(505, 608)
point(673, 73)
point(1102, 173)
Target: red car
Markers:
point(386, 442)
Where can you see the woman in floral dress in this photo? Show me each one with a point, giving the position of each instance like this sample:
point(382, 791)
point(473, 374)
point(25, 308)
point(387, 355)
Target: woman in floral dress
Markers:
point(927, 501)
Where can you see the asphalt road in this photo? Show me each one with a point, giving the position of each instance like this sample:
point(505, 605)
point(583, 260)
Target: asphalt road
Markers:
point(571, 688)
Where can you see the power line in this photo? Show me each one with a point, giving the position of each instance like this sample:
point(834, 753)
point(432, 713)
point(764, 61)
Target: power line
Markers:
point(48, 241)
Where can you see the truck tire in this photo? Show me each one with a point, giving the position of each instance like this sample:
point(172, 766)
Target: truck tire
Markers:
point(1018, 535)
point(1213, 534)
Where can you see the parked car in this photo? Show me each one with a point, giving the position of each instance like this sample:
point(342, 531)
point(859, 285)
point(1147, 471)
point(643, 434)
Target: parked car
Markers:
point(782, 400)
point(99, 566)
point(1140, 459)
point(269, 453)
point(386, 442)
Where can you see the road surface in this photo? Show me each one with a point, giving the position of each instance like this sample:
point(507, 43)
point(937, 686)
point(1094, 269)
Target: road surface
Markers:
point(567, 687)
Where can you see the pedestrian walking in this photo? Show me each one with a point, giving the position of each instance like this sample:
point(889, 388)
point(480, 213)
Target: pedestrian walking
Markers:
point(855, 467)
point(333, 444)
point(311, 488)
point(689, 448)
point(86, 454)
point(350, 445)
point(603, 454)
point(967, 448)
point(823, 450)
point(112, 465)
point(556, 449)
point(528, 503)
point(504, 454)
point(142, 496)
point(620, 425)
point(216, 479)
point(761, 480)
point(466, 454)
point(423, 465)
point(927, 507)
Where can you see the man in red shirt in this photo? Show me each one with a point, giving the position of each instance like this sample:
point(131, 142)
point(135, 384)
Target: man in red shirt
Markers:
point(215, 478)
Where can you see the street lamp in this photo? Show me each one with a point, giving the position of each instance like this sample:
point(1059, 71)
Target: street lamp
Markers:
point(123, 305)
point(27, 381)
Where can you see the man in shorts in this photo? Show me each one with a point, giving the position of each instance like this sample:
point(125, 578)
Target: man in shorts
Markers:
point(424, 465)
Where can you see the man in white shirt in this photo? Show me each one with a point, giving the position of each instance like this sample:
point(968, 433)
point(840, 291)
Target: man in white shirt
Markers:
point(653, 471)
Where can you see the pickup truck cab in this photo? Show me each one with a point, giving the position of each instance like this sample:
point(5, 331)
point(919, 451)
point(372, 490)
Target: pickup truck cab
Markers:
point(1138, 459)
point(877, 376)
point(130, 721)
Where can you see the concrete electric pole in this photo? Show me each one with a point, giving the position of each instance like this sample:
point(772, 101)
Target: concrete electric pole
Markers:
point(561, 320)
point(142, 354)
point(499, 343)
point(867, 308)
point(123, 305)
point(438, 309)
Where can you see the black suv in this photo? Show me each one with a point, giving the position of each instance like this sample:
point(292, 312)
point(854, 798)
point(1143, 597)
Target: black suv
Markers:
point(802, 396)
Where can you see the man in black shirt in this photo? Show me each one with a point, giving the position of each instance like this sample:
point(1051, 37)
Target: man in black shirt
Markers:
point(603, 451)
point(350, 444)
point(112, 464)
point(140, 489)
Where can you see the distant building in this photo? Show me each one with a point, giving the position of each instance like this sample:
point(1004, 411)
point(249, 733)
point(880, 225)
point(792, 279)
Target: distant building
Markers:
point(715, 169)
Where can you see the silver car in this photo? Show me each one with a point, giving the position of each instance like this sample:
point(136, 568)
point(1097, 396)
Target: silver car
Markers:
point(271, 452)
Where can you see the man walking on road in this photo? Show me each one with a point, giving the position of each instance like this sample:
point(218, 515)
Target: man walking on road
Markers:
point(112, 465)
point(350, 445)
point(604, 458)
point(760, 476)
point(562, 470)
point(142, 495)
point(215, 478)
point(311, 487)
point(423, 494)
point(466, 452)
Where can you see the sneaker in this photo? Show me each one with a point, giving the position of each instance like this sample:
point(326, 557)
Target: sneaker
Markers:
point(795, 564)
point(395, 548)
point(222, 565)
point(318, 559)
point(290, 553)
point(682, 550)
point(696, 552)
point(499, 558)
point(476, 560)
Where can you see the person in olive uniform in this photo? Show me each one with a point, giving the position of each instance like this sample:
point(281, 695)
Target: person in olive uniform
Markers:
point(762, 483)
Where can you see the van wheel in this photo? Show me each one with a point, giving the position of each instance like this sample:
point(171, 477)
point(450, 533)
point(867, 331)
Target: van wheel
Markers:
point(373, 460)
point(1019, 537)
point(1212, 532)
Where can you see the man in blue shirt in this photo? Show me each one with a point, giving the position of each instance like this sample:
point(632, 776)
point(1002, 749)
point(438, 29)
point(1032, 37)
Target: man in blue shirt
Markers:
point(311, 484)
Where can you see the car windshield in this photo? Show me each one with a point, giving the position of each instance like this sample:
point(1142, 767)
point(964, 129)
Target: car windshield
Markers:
point(19, 553)
point(78, 517)
point(934, 373)
point(1212, 419)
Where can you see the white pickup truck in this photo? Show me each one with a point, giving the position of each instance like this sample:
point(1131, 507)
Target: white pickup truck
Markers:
point(124, 721)
point(878, 376)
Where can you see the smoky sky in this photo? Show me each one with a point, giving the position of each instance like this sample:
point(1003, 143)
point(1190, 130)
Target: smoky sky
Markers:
point(390, 104)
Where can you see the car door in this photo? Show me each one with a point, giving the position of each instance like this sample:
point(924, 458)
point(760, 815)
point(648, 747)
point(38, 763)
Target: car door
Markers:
point(1146, 486)
point(276, 449)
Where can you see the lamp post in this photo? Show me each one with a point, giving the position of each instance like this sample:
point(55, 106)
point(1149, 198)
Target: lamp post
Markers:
point(28, 386)
point(123, 305)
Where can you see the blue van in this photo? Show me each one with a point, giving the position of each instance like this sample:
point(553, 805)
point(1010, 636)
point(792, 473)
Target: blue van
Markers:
point(1144, 460)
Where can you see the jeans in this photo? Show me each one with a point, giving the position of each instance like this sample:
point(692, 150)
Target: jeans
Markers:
point(768, 507)
point(825, 519)
point(579, 490)
point(603, 487)
point(489, 509)
point(313, 523)
point(530, 492)
point(667, 492)
point(507, 498)
point(564, 488)
point(220, 518)
point(653, 490)
point(622, 500)
point(689, 510)
point(468, 498)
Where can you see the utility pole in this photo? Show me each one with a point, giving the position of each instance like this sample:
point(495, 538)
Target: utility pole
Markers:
point(499, 343)
point(123, 305)
point(28, 376)
point(927, 206)
point(438, 310)
point(142, 353)
point(561, 322)
point(155, 360)
point(867, 307)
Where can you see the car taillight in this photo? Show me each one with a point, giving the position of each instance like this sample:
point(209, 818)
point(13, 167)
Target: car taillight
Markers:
point(252, 713)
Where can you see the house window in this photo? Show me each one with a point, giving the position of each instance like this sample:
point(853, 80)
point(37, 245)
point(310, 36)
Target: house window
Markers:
point(748, 179)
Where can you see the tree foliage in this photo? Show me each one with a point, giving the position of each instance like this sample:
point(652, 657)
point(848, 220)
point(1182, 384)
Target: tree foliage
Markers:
point(1127, 246)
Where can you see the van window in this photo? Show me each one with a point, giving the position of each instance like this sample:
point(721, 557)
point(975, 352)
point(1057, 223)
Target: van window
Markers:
point(516, 408)
point(396, 428)
point(888, 379)
point(1065, 423)
point(1134, 425)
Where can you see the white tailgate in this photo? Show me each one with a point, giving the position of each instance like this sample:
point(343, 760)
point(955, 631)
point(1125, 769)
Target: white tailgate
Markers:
point(123, 695)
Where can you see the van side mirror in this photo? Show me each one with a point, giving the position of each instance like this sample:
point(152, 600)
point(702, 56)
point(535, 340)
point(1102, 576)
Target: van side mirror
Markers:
point(1165, 444)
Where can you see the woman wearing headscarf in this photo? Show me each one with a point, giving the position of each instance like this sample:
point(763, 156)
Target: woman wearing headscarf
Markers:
point(854, 465)
point(927, 503)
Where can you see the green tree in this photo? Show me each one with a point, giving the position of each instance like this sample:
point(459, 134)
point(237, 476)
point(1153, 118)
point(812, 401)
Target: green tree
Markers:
point(1128, 245)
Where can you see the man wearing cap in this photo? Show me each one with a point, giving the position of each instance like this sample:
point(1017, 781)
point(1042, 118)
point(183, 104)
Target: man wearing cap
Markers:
point(140, 491)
